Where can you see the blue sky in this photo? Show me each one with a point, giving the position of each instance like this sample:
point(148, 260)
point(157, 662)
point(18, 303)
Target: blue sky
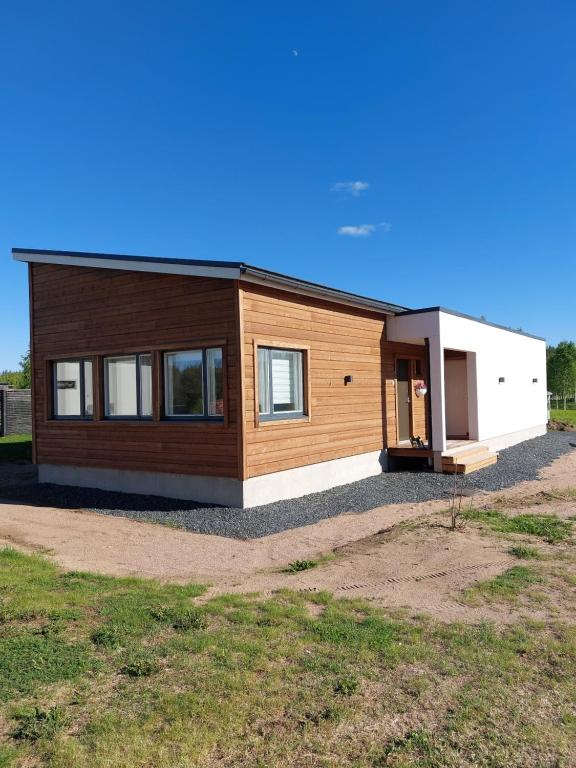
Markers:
point(223, 129)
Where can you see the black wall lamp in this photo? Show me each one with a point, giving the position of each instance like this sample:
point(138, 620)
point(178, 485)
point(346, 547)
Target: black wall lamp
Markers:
point(501, 380)
point(348, 379)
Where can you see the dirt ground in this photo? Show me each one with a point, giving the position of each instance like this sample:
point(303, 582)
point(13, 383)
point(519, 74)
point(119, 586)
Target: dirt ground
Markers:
point(399, 555)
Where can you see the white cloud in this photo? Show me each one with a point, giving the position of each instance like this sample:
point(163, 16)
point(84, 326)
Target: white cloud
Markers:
point(353, 188)
point(364, 230)
point(360, 230)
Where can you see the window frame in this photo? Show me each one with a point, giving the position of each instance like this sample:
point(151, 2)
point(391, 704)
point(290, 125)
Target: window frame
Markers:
point(134, 417)
point(83, 416)
point(204, 415)
point(271, 417)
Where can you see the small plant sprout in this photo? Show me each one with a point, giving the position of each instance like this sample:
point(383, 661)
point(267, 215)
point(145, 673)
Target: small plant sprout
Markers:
point(459, 491)
point(301, 565)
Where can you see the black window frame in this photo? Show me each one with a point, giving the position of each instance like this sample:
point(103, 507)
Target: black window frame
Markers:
point(281, 416)
point(193, 417)
point(83, 416)
point(138, 416)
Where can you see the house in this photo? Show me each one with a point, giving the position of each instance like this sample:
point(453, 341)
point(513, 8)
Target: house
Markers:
point(226, 383)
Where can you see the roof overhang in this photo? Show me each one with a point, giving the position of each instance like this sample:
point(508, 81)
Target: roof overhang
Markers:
point(196, 268)
point(230, 270)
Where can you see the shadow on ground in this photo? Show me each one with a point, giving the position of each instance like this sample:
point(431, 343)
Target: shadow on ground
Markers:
point(519, 463)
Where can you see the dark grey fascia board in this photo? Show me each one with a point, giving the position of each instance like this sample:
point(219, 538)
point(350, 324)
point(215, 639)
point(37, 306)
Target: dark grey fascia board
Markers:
point(467, 317)
point(267, 276)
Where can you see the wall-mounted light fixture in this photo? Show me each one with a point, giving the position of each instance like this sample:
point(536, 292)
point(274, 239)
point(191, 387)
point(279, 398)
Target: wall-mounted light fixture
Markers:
point(534, 381)
point(501, 380)
point(420, 388)
point(348, 379)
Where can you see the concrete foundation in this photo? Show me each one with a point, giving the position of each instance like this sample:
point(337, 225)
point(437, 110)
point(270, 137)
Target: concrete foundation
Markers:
point(225, 491)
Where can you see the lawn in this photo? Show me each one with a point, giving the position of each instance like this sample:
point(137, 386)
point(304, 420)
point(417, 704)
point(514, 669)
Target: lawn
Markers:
point(101, 672)
point(568, 416)
point(16, 448)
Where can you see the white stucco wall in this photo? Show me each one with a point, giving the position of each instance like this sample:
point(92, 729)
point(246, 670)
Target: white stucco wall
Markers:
point(516, 405)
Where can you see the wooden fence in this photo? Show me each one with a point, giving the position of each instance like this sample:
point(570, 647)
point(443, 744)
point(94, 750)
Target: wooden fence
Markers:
point(15, 412)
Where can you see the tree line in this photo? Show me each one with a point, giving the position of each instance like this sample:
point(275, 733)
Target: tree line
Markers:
point(20, 379)
point(561, 369)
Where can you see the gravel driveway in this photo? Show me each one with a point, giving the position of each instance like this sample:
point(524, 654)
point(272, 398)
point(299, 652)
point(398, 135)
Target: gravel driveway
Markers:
point(516, 464)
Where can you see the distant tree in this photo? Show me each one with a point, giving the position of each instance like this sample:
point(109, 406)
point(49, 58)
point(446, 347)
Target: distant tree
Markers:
point(26, 370)
point(561, 368)
point(19, 379)
point(13, 378)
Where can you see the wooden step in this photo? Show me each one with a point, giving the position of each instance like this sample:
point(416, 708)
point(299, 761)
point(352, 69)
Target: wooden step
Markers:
point(464, 468)
point(463, 456)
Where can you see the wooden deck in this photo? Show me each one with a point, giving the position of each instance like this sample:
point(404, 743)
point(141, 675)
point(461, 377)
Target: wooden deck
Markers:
point(460, 456)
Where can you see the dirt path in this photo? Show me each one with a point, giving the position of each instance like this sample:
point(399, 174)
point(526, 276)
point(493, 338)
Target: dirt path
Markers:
point(420, 567)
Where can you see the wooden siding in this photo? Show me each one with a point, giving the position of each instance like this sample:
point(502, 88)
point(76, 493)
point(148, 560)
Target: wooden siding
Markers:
point(344, 420)
point(78, 311)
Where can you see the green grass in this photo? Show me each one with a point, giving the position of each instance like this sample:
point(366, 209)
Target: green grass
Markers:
point(125, 673)
point(547, 527)
point(523, 552)
point(568, 416)
point(296, 566)
point(301, 565)
point(15, 448)
point(506, 586)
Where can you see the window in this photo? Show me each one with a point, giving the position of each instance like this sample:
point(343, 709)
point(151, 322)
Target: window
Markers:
point(193, 384)
point(280, 383)
point(128, 386)
point(72, 389)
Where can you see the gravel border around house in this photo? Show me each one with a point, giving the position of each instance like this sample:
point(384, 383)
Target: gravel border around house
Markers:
point(516, 464)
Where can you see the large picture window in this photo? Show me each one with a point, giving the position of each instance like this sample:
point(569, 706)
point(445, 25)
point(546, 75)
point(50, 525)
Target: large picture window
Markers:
point(73, 394)
point(128, 386)
point(280, 383)
point(193, 384)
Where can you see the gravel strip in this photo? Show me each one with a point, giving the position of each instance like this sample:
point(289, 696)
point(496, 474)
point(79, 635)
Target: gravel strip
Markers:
point(521, 462)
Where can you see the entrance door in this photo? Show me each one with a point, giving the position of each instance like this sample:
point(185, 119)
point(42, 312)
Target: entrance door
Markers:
point(403, 397)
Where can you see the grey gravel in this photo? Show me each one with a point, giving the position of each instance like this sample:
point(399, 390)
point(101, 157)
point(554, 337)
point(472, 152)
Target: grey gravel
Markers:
point(521, 462)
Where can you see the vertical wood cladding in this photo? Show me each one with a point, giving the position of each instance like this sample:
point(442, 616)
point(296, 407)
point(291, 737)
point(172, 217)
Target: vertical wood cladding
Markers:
point(344, 420)
point(85, 312)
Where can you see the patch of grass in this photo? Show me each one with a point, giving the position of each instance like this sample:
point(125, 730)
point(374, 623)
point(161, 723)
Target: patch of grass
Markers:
point(267, 683)
point(567, 416)
point(301, 565)
point(16, 448)
point(190, 618)
point(505, 586)
point(109, 636)
point(40, 723)
point(140, 663)
point(523, 552)
point(547, 527)
point(29, 661)
point(346, 686)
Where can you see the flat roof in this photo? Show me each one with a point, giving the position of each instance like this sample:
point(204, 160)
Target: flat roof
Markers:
point(238, 270)
point(467, 317)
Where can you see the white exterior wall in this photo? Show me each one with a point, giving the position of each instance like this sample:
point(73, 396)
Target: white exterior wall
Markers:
point(495, 410)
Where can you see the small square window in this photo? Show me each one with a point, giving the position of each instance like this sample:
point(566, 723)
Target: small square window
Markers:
point(280, 383)
point(72, 389)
